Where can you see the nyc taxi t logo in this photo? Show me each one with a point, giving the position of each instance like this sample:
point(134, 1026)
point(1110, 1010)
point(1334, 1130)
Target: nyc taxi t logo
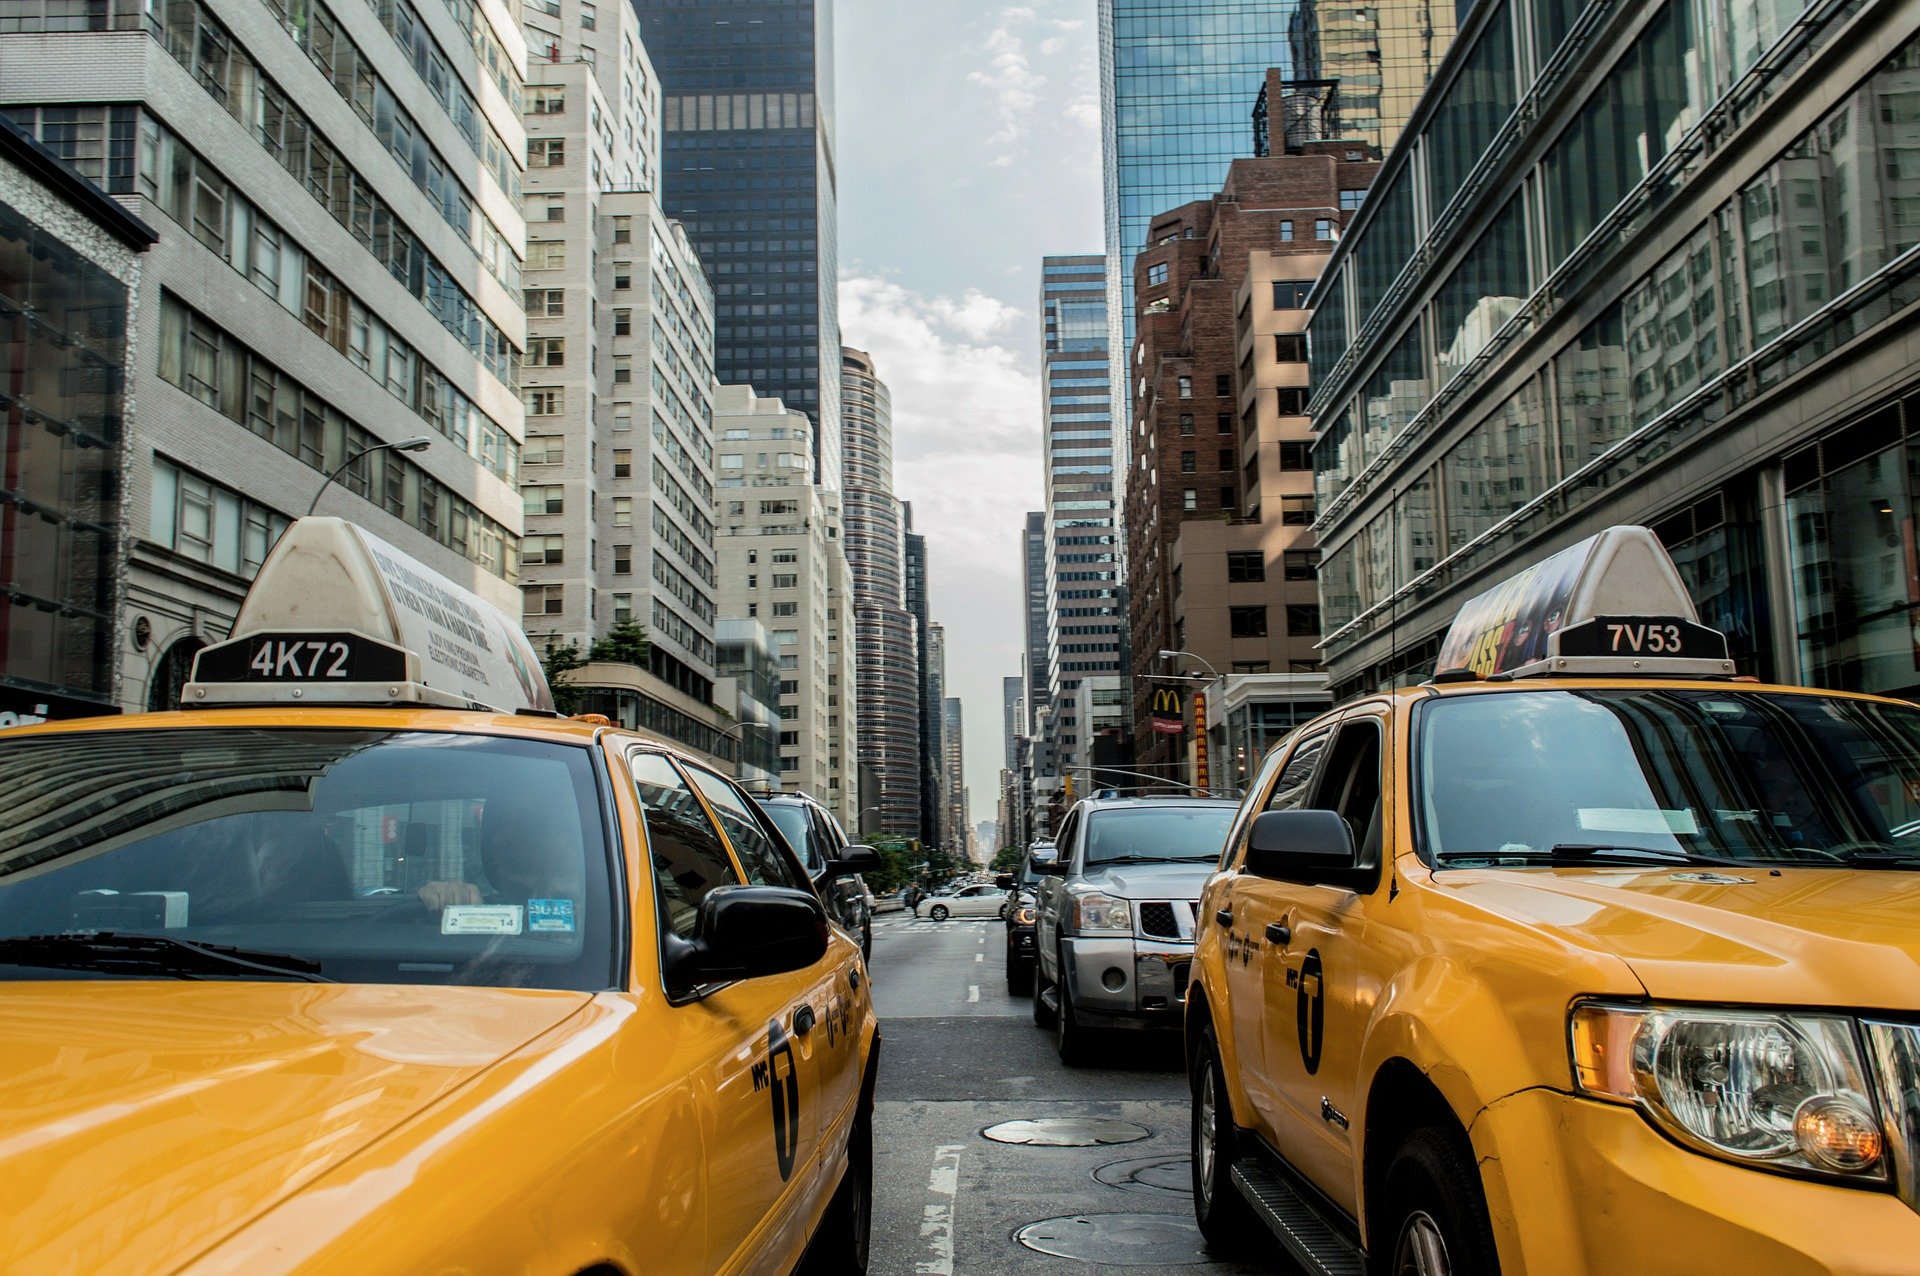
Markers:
point(785, 1086)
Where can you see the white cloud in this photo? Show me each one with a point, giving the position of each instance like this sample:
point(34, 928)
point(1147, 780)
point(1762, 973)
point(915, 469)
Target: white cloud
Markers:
point(1010, 78)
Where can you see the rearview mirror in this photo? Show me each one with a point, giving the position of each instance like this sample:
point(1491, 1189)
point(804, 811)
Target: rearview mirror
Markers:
point(747, 932)
point(1048, 867)
point(1312, 847)
point(853, 859)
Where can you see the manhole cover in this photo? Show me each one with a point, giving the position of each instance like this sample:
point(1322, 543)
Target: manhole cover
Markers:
point(1156, 1175)
point(1067, 1132)
point(1118, 1240)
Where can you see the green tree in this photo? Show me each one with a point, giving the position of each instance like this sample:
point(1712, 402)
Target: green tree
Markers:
point(1007, 860)
point(626, 643)
point(559, 663)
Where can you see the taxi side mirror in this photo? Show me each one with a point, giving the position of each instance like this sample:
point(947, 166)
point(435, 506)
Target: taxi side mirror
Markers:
point(746, 932)
point(1311, 847)
point(852, 859)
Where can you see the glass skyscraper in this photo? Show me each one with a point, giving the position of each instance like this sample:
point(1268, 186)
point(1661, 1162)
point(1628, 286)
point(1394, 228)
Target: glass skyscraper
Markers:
point(748, 168)
point(1084, 614)
point(1178, 83)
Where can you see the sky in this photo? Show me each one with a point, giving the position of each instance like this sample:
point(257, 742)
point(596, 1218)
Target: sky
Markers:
point(968, 149)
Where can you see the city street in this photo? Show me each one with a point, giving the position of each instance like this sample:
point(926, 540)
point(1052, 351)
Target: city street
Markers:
point(960, 1056)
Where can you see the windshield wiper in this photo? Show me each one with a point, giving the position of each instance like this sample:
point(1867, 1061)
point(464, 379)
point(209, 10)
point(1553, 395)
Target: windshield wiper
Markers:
point(1889, 858)
point(1586, 853)
point(113, 952)
point(1153, 859)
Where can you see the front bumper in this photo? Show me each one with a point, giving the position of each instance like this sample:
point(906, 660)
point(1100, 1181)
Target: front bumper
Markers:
point(1577, 1187)
point(1126, 981)
point(1020, 944)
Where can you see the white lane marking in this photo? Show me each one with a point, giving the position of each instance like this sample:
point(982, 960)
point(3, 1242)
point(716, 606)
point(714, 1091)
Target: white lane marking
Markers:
point(936, 1222)
point(973, 992)
point(979, 956)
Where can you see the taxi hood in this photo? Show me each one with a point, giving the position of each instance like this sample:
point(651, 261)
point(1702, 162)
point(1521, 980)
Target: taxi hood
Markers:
point(145, 1121)
point(1801, 936)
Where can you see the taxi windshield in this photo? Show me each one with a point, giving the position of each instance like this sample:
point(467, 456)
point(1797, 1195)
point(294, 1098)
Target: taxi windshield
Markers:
point(349, 856)
point(1656, 774)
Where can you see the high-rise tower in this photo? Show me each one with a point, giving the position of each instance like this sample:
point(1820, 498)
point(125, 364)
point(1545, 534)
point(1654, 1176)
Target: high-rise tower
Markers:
point(748, 167)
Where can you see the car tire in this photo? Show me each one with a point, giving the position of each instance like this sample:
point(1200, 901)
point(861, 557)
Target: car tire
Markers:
point(843, 1244)
point(866, 941)
point(1019, 975)
point(1042, 1016)
point(1070, 1036)
point(1224, 1216)
point(938, 912)
point(1435, 1219)
point(1002, 913)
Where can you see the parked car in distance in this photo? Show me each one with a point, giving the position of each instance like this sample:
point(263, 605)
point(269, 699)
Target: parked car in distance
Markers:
point(1021, 887)
point(1113, 938)
point(968, 901)
point(819, 841)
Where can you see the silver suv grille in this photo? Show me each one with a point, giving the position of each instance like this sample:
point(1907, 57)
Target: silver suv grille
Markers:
point(1893, 1053)
point(1166, 919)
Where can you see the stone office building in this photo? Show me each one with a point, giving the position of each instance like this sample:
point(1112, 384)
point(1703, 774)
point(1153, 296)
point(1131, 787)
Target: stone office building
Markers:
point(1639, 262)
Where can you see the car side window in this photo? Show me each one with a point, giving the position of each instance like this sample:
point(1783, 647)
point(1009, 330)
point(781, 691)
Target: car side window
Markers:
point(688, 857)
point(764, 861)
point(1064, 842)
point(1351, 784)
point(1290, 791)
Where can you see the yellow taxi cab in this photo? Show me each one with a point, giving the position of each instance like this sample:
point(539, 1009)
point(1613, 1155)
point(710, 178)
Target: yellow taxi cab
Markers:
point(1586, 957)
point(368, 962)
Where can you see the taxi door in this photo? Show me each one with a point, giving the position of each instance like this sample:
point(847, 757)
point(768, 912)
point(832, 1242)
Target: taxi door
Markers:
point(756, 1098)
point(1320, 981)
point(813, 1076)
point(1248, 911)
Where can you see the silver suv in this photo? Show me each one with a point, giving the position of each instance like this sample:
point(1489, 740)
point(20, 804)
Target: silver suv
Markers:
point(1114, 923)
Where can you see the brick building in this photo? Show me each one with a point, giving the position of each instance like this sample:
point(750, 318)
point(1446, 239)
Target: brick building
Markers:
point(1219, 489)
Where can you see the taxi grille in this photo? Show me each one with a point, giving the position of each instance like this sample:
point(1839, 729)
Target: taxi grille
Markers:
point(1893, 1053)
point(1158, 921)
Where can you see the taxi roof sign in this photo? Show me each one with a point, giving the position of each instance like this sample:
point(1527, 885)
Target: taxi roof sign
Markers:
point(1612, 604)
point(338, 616)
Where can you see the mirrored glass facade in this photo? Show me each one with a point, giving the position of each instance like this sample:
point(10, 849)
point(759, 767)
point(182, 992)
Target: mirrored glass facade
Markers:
point(748, 168)
point(1703, 336)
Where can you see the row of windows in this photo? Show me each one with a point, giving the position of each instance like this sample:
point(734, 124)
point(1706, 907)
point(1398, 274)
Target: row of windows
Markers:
point(214, 367)
point(288, 137)
point(198, 518)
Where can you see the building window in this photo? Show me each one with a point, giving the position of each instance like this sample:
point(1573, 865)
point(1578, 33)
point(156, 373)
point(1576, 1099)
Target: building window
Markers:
point(544, 449)
point(623, 369)
point(1227, 496)
point(1290, 401)
point(546, 152)
point(1351, 200)
point(1223, 387)
point(1156, 274)
point(1190, 499)
point(1303, 619)
point(623, 416)
point(546, 254)
point(622, 609)
point(552, 207)
point(548, 101)
point(1323, 228)
point(1296, 511)
point(623, 462)
point(786, 580)
point(550, 402)
point(1286, 232)
point(1185, 385)
point(1296, 456)
point(1248, 622)
point(623, 560)
point(546, 352)
point(543, 499)
point(1186, 425)
point(622, 275)
point(1290, 347)
point(545, 303)
point(622, 322)
point(1245, 565)
point(623, 230)
point(786, 609)
point(542, 600)
point(1291, 294)
point(1301, 564)
point(1189, 462)
point(536, 551)
point(587, 17)
point(623, 511)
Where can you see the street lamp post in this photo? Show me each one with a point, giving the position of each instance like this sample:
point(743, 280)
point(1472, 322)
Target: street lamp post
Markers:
point(742, 725)
point(419, 443)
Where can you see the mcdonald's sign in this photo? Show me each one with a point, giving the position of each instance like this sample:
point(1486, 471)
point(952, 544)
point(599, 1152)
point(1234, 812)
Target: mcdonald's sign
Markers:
point(1169, 716)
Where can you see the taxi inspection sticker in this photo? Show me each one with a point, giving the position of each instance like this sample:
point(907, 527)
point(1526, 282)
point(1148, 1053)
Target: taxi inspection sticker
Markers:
point(550, 916)
point(480, 919)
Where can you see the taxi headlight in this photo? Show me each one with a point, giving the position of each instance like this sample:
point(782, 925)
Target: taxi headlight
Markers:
point(1094, 912)
point(1787, 1091)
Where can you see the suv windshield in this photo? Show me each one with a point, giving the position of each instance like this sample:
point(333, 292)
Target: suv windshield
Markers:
point(1724, 775)
point(353, 856)
point(791, 819)
point(1175, 833)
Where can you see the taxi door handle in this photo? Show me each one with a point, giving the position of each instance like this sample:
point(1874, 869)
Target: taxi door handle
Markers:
point(803, 1021)
point(1279, 934)
point(1224, 917)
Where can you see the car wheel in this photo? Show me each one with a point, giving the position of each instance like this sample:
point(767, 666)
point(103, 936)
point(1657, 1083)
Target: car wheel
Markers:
point(1019, 975)
point(1069, 1034)
point(843, 1243)
point(1002, 913)
point(1042, 1016)
point(866, 942)
point(938, 912)
point(1435, 1221)
point(1225, 1218)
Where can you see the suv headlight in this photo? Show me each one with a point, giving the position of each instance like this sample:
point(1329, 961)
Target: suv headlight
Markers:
point(1023, 915)
point(1782, 1090)
point(1095, 913)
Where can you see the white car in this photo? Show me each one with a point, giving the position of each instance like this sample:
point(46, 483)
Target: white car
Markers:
point(968, 901)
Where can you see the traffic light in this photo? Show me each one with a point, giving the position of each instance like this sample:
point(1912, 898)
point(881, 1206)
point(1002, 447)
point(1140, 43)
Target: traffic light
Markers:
point(1066, 790)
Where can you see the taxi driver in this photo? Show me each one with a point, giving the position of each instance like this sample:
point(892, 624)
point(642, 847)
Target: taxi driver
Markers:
point(526, 854)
